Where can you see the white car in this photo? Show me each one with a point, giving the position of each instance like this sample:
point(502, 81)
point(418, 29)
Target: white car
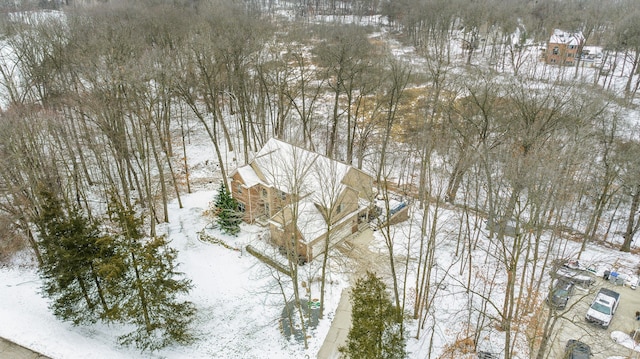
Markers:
point(631, 281)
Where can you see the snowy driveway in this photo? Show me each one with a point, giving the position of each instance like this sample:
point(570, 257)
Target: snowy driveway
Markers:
point(356, 249)
point(14, 351)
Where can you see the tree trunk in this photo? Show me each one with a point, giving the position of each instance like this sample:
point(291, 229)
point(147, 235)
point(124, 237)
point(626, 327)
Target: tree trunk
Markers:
point(85, 294)
point(141, 293)
point(634, 65)
point(325, 260)
point(105, 307)
point(334, 122)
point(632, 227)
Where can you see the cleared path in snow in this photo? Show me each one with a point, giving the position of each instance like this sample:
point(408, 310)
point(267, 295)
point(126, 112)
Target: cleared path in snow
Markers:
point(356, 248)
point(340, 325)
point(11, 350)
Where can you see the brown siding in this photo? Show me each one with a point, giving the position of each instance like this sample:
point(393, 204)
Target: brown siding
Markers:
point(340, 231)
point(276, 234)
point(400, 216)
point(251, 198)
point(562, 54)
point(349, 200)
point(279, 237)
point(361, 182)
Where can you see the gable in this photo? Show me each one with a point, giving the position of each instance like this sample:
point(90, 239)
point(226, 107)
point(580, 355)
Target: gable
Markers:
point(566, 38)
point(311, 222)
point(361, 182)
point(248, 176)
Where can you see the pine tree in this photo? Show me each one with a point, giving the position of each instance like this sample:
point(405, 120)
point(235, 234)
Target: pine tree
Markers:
point(375, 330)
point(226, 209)
point(161, 319)
point(73, 252)
point(152, 288)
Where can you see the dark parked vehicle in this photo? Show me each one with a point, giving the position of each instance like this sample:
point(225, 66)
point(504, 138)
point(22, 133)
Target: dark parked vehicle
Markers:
point(576, 349)
point(560, 294)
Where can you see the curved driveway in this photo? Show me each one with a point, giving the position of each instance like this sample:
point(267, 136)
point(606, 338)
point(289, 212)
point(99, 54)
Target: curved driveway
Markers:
point(364, 259)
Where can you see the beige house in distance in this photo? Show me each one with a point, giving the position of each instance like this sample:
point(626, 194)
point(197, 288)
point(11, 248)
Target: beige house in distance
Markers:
point(303, 197)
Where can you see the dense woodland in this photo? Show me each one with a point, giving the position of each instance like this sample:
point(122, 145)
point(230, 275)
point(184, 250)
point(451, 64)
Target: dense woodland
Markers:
point(100, 100)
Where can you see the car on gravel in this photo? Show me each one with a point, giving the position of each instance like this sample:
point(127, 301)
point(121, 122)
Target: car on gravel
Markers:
point(603, 307)
point(560, 294)
point(576, 349)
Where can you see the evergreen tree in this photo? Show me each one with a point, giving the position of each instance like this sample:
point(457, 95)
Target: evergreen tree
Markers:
point(74, 256)
point(375, 331)
point(152, 288)
point(125, 278)
point(226, 209)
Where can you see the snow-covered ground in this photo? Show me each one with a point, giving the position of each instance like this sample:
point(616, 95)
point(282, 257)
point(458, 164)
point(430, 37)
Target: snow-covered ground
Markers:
point(238, 302)
point(453, 314)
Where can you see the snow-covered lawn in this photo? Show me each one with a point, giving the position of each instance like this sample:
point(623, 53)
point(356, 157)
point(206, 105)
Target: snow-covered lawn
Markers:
point(239, 304)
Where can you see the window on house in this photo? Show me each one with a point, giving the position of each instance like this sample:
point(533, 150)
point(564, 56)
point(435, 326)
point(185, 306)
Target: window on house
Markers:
point(283, 195)
point(553, 60)
point(572, 46)
point(264, 193)
point(241, 207)
point(340, 208)
point(556, 50)
point(239, 189)
point(266, 209)
point(569, 55)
